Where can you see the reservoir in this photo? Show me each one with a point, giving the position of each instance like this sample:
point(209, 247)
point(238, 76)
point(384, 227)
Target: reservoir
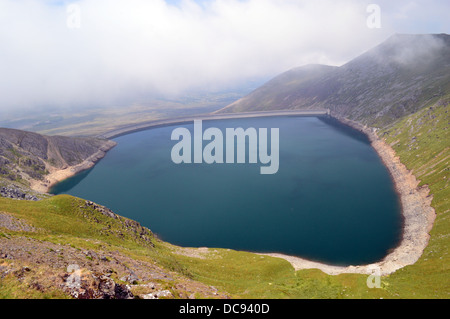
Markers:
point(332, 200)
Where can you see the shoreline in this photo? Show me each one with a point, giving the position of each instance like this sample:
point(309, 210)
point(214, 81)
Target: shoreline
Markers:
point(58, 175)
point(417, 213)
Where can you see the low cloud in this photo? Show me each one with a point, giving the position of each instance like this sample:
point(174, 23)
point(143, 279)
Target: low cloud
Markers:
point(421, 52)
point(125, 50)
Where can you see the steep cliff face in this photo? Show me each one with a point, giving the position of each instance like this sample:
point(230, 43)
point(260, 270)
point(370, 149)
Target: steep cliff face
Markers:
point(395, 79)
point(27, 157)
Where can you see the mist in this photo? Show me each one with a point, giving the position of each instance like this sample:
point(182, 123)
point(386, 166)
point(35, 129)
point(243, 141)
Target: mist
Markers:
point(57, 54)
point(420, 52)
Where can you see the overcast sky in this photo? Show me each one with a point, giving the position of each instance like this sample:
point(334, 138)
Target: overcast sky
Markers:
point(111, 52)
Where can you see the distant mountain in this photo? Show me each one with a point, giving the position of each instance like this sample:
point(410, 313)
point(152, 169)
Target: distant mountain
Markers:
point(66, 247)
point(392, 80)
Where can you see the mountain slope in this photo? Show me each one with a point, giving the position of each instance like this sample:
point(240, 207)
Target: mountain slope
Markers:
point(421, 141)
point(65, 247)
point(118, 258)
point(299, 86)
point(395, 79)
point(28, 158)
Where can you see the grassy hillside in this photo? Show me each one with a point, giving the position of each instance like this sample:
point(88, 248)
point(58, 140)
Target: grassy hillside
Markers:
point(39, 240)
point(65, 229)
point(119, 258)
point(421, 141)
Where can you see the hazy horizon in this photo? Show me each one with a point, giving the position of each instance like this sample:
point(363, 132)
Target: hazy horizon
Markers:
point(70, 54)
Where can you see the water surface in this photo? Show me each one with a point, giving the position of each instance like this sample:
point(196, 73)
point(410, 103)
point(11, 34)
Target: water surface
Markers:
point(332, 199)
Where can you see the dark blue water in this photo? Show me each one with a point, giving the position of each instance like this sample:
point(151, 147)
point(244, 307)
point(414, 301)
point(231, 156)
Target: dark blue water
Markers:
point(332, 199)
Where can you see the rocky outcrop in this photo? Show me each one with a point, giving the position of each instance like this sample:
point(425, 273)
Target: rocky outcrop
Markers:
point(86, 285)
point(89, 274)
point(10, 222)
point(15, 193)
point(139, 233)
point(42, 161)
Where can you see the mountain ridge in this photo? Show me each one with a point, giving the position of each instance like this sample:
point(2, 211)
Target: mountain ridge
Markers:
point(392, 80)
point(117, 258)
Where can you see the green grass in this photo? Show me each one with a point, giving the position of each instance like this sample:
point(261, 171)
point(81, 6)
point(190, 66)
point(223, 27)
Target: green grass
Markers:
point(61, 220)
point(421, 141)
point(64, 219)
point(247, 275)
point(10, 288)
point(423, 146)
point(428, 157)
point(243, 275)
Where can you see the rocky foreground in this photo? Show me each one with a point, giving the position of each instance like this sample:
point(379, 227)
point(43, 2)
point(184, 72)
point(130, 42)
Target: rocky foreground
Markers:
point(16, 193)
point(98, 273)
